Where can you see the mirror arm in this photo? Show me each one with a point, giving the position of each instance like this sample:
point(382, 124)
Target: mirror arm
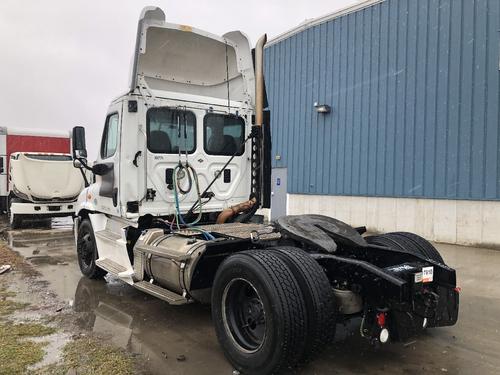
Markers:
point(85, 180)
point(84, 164)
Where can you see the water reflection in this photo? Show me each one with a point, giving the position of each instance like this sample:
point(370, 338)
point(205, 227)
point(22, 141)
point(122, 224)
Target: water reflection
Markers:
point(145, 325)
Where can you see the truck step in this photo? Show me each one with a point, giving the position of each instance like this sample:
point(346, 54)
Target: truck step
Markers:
point(107, 235)
point(110, 266)
point(161, 293)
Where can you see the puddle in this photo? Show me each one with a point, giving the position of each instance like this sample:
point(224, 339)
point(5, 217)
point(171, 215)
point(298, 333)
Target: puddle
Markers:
point(53, 349)
point(144, 325)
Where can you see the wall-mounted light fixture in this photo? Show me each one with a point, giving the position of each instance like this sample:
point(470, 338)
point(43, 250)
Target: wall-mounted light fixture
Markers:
point(322, 108)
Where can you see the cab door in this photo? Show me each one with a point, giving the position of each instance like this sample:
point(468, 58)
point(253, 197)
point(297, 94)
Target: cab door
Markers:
point(107, 182)
point(224, 137)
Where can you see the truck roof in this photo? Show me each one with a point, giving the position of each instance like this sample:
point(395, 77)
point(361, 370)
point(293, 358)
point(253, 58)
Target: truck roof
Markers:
point(182, 59)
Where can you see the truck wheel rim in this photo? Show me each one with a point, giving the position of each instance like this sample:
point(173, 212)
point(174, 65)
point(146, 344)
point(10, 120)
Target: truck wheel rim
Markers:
point(243, 315)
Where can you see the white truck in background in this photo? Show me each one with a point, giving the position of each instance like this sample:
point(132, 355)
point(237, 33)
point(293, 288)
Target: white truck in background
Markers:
point(42, 185)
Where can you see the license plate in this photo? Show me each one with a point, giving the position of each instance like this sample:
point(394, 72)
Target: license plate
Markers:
point(54, 208)
point(427, 274)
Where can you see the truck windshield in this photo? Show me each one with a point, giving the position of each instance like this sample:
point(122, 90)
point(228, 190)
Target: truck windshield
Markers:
point(170, 130)
point(223, 134)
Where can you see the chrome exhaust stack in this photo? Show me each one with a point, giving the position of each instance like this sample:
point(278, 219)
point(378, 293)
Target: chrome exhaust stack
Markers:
point(259, 80)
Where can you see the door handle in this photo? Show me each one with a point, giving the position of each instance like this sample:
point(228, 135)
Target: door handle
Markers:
point(137, 154)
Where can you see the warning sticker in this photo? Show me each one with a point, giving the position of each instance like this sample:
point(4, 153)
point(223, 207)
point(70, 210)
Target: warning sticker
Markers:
point(418, 277)
point(427, 274)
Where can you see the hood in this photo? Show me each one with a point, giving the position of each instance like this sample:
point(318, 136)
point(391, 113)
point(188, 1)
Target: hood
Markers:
point(179, 58)
point(41, 176)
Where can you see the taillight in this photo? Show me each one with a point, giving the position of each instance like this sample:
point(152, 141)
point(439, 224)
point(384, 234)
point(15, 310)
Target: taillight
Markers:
point(381, 319)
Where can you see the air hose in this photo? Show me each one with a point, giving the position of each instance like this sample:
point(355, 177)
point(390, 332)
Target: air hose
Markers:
point(192, 176)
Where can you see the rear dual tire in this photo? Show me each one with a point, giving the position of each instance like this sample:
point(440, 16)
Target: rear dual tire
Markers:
point(318, 297)
point(409, 242)
point(272, 309)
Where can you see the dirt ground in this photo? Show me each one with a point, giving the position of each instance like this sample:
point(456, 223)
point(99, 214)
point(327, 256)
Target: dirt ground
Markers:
point(181, 340)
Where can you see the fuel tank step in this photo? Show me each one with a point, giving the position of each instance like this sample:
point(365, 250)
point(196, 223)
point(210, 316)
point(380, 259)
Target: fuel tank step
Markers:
point(110, 266)
point(107, 235)
point(162, 293)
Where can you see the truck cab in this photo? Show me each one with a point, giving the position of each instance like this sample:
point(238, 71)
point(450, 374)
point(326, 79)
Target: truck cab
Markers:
point(190, 100)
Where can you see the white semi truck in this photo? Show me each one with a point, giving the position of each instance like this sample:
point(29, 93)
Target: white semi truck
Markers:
point(42, 185)
point(183, 165)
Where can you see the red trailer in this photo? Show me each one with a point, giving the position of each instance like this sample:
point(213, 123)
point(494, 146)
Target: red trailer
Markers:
point(26, 140)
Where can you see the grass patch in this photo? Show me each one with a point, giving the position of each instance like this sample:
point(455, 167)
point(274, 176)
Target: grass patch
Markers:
point(7, 256)
point(16, 351)
point(8, 306)
point(89, 356)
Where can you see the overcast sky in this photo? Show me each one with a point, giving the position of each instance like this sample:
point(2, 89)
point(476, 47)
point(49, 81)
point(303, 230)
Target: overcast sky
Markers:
point(63, 61)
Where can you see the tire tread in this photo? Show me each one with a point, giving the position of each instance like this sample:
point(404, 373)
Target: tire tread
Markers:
point(321, 309)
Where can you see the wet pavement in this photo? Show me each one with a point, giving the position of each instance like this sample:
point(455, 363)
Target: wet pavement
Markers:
point(163, 333)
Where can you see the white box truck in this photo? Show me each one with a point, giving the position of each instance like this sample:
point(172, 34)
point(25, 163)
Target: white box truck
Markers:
point(26, 140)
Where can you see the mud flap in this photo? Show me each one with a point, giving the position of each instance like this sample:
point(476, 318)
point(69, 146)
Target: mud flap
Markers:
point(447, 308)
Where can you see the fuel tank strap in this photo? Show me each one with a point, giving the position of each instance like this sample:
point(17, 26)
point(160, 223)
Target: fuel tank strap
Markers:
point(163, 252)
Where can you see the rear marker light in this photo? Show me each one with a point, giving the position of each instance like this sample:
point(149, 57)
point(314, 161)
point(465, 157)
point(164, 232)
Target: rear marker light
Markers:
point(381, 320)
point(458, 289)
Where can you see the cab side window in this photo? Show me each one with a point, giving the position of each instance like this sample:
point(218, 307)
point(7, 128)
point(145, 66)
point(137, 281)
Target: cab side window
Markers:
point(110, 136)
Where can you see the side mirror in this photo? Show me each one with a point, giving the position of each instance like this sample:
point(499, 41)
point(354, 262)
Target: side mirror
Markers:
point(79, 148)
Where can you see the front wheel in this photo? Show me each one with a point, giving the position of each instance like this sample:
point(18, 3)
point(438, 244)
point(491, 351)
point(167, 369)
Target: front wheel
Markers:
point(259, 313)
point(87, 251)
point(15, 220)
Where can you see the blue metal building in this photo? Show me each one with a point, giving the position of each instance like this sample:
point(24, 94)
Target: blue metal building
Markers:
point(413, 88)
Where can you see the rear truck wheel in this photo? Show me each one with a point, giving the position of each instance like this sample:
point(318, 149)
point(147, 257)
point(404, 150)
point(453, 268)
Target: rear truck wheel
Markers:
point(259, 313)
point(87, 251)
point(409, 242)
point(318, 296)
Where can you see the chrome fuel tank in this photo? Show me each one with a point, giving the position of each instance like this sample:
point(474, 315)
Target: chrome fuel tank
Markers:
point(168, 259)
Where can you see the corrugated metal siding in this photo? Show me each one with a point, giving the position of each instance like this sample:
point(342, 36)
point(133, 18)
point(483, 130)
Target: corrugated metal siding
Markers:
point(414, 90)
